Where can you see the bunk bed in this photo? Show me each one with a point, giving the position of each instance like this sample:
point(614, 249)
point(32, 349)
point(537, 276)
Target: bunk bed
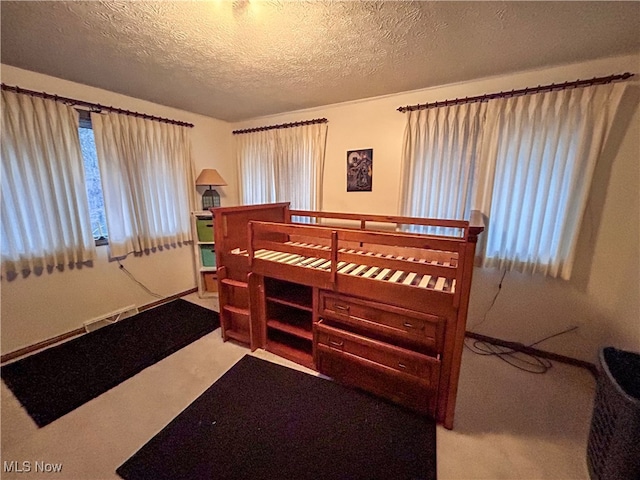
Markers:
point(355, 297)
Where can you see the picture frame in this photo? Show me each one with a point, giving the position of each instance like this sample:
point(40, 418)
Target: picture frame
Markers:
point(360, 170)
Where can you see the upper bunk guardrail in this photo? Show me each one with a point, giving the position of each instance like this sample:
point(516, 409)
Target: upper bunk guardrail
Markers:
point(261, 235)
point(392, 221)
point(274, 237)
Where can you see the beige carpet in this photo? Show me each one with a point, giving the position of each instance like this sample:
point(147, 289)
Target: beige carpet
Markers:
point(509, 424)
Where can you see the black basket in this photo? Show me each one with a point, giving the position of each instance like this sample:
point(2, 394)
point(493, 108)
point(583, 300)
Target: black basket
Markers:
point(613, 449)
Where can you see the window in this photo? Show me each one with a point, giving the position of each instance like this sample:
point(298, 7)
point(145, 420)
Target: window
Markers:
point(540, 164)
point(45, 215)
point(92, 179)
point(440, 151)
point(54, 207)
point(147, 178)
point(526, 163)
point(283, 165)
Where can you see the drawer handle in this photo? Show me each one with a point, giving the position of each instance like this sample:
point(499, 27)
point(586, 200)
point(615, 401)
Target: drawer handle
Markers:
point(342, 308)
point(408, 324)
point(336, 344)
point(401, 365)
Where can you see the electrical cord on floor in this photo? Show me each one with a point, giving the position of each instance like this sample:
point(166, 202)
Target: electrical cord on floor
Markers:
point(493, 302)
point(570, 329)
point(524, 361)
point(521, 360)
point(130, 275)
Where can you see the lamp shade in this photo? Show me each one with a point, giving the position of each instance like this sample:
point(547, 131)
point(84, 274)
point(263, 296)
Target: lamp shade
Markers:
point(210, 177)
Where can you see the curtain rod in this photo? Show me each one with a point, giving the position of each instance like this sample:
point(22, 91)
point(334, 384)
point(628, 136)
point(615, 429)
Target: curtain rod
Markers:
point(96, 107)
point(522, 91)
point(282, 125)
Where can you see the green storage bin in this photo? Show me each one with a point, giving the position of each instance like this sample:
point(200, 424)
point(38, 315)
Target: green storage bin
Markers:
point(205, 229)
point(208, 254)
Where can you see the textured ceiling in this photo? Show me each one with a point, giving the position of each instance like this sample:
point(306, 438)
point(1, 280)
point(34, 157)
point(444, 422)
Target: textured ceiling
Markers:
point(241, 59)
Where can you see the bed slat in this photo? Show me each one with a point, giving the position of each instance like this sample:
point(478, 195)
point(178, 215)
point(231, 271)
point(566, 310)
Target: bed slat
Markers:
point(357, 270)
point(347, 268)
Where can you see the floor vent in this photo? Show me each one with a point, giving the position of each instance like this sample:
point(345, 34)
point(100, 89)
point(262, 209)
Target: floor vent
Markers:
point(109, 318)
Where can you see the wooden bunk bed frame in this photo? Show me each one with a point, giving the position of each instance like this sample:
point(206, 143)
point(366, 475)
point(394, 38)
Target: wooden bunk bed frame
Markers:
point(372, 307)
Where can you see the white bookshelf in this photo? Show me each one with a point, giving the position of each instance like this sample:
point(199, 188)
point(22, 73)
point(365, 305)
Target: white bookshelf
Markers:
point(206, 276)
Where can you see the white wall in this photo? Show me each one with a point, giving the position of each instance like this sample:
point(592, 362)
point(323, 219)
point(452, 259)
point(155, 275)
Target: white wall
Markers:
point(602, 298)
point(40, 307)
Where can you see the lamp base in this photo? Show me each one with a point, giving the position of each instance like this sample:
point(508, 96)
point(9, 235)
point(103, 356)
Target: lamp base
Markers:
point(210, 199)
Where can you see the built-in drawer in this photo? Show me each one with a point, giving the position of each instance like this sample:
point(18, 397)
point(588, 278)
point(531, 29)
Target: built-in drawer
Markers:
point(385, 320)
point(408, 362)
point(400, 375)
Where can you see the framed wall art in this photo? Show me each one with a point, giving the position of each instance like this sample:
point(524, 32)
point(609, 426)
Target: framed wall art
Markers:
point(360, 170)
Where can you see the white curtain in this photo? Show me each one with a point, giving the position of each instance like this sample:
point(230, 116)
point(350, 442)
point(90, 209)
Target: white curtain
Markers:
point(538, 157)
point(439, 153)
point(45, 211)
point(283, 165)
point(256, 161)
point(147, 179)
point(300, 165)
point(525, 162)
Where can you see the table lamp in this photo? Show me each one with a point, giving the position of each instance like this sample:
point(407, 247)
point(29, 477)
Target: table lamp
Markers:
point(210, 178)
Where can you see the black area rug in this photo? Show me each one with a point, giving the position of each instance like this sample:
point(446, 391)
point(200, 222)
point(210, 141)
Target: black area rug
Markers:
point(58, 380)
point(263, 421)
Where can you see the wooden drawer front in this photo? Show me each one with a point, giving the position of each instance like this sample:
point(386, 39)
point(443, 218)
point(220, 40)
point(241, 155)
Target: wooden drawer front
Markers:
point(384, 357)
point(357, 372)
point(384, 319)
